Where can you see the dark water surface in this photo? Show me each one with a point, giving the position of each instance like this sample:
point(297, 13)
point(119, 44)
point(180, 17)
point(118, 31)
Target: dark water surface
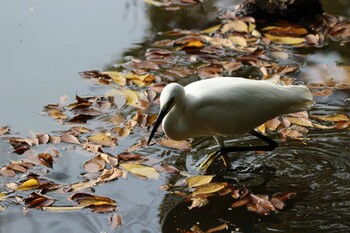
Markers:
point(44, 44)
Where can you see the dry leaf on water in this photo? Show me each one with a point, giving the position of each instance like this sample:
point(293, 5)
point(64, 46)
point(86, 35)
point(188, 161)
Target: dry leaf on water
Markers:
point(38, 201)
point(179, 145)
point(103, 139)
point(195, 181)
point(29, 184)
point(95, 164)
point(141, 170)
point(209, 188)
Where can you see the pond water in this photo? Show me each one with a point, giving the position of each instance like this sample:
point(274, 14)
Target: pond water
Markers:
point(44, 44)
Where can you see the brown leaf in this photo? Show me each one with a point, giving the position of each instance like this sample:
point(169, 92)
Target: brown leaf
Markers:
point(210, 71)
point(95, 164)
point(334, 118)
point(129, 156)
point(111, 160)
point(218, 228)
point(115, 221)
point(70, 139)
point(241, 202)
point(4, 130)
point(38, 201)
point(278, 204)
point(46, 159)
point(110, 174)
point(179, 145)
point(300, 121)
point(262, 201)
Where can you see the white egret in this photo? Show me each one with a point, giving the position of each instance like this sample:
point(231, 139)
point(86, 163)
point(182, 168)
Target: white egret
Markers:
point(226, 106)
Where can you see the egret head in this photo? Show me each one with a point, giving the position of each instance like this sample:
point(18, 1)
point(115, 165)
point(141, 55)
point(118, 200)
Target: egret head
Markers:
point(170, 95)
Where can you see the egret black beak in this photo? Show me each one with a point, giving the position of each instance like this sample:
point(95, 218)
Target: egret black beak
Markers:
point(159, 120)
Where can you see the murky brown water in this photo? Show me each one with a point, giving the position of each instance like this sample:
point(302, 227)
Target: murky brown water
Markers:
point(319, 170)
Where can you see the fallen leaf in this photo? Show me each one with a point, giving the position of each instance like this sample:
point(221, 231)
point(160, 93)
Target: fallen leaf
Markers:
point(334, 118)
point(38, 201)
point(199, 180)
point(132, 97)
point(103, 139)
point(110, 174)
point(236, 25)
point(70, 139)
point(285, 39)
point(300, 121)
point(4, 130)
point(241, 202)
point(80, 186)
point(218, 228)
point(115, 221)
point(179, 145)
point(209, 188)
point(141, 170)
point(198, 202)
point(29, 184)
point(62, 208)
point(46, 159)
point(117, 77)
point(95, 164)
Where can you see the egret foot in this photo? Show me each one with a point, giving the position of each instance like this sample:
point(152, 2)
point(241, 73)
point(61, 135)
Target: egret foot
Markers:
point(224, 150)
point(213, 156)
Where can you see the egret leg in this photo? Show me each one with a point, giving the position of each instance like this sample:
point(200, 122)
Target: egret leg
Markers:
point(222, 152)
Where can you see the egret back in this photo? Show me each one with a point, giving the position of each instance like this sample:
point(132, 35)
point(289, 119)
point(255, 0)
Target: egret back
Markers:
point(225, 106)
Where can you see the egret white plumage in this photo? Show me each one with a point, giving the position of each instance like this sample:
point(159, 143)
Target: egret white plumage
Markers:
point(226, 106)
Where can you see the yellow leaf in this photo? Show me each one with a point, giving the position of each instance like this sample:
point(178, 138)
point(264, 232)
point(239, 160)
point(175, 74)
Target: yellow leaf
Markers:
point(3, 196)
point(334, 118)
point(2, 208)
point(141, 80)
point(82, 185)
point(285, 39)
point(209, 188)
point(102, 139)
point(141, 170)
point(132, 97)
point(319, 126)
point(117, 77)
point(211, 29)
point(29, 184)
point(195, 181)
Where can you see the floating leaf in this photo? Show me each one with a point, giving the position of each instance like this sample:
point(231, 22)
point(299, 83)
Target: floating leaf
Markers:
point(115, 221)
point(179, 145)
point(117, 77)
point(300, 121)
point(110, 174)
point(236, 25)
point(132, 97)
point(81, 186)
point(38, 201)
point(29, 184)
point(198, 202)
point(209, 188)
point(141, 170)
point(103, 139)
point(285, 39)
point(62, 208)
point(334, 118)
point(98, 204)
point(46, 159)
point(4, 130)
point(70, 139)
point(195, 181)
point(95, 164)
